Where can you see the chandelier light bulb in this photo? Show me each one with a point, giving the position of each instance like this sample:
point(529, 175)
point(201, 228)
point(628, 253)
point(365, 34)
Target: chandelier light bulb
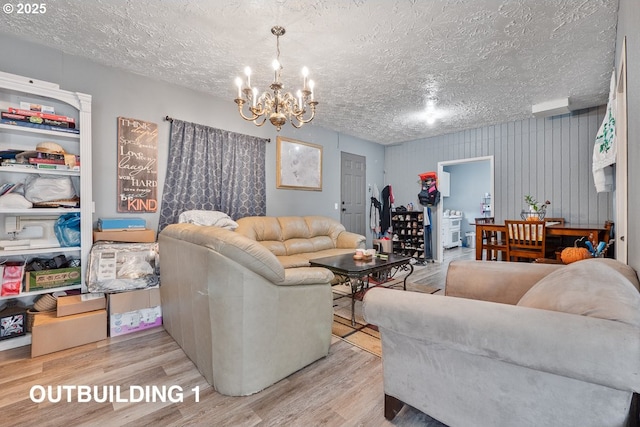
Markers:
point(299, 94)
point(247, 72)
point(239, 84)
point(311, 86)
point(255, 96)
point(305, 74)
point(276, 65)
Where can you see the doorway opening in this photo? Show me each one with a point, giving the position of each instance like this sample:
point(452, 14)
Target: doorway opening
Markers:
point(462, 173)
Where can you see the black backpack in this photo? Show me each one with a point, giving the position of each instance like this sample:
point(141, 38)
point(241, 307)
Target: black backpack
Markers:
point(429, 195)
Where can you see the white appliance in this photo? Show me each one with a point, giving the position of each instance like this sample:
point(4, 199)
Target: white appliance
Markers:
point(451, 231)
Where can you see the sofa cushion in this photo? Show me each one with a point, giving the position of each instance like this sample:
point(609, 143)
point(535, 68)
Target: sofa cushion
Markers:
point(588, 288)
point(621, 268)
point(293, 227)
point(323, 226)
point(260, 228)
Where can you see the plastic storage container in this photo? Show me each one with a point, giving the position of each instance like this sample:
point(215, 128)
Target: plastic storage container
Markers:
point(471, 239)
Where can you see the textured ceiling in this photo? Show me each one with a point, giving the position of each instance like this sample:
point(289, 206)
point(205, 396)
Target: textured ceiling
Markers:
point(376, 63)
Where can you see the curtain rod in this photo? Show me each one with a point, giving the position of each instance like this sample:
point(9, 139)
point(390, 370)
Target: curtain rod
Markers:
point(170, 119)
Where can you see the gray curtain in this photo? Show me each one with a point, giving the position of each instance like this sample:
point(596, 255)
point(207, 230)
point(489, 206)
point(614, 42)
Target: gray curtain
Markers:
point(213, 169)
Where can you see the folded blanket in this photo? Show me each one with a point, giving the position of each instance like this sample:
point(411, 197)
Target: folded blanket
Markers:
point(208, 218)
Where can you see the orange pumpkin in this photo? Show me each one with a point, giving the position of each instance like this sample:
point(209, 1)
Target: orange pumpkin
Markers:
point(569, 255)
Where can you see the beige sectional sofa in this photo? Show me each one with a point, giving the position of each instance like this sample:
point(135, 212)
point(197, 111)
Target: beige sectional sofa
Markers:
point(244, 305)
point(515, 344)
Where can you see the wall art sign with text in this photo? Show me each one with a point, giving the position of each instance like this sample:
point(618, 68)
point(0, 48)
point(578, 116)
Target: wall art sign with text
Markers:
point(137, 165)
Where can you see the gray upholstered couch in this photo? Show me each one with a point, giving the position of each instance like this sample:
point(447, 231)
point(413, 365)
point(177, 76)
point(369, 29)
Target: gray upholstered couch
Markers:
point(519, 345)
point(244, 305)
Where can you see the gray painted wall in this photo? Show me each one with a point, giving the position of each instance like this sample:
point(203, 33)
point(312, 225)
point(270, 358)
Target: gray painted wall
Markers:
point(116, 93)
point(548, 158)
point(628, 18)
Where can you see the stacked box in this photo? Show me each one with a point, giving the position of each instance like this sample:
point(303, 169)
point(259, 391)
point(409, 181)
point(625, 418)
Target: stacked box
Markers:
point(47, 279)
point(13, 322)
point(134, 311)
point(119, 224)
point(51, 333)
point(83, 303)
point(128, 236)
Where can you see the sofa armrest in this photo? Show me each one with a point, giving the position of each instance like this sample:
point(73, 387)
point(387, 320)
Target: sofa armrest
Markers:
point(503, 282)
point(306, 276)
point(594, 350)
point(349, 240)
point(234, 246)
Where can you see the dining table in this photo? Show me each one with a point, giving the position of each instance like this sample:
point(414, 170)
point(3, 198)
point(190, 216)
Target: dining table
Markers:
point(590, 231)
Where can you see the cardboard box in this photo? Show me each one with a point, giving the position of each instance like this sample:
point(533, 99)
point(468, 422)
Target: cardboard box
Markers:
point(128, 236)
point(119, 224)
point(134, 311)
point(133, 300)
point(13, 322)
point(75, 304)
point(51, 333)
point(46, 279)
point(133, 321)
point(385, 246)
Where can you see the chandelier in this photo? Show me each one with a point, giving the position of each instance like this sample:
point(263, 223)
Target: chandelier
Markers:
point(278, 106)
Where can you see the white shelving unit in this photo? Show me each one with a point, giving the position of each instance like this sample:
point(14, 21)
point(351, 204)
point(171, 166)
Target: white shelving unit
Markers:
point(13, 90)
point(485, 207)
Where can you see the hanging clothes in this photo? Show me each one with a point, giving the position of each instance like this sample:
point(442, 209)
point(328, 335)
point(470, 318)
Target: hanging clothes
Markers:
point(375, 211)
point(387, 201)
point(428, 251)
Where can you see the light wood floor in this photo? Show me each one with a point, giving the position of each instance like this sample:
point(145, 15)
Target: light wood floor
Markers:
point(343, 389)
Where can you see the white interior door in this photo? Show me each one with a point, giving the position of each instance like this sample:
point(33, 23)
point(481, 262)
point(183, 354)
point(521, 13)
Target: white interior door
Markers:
point(353, 192)
point(620, 226)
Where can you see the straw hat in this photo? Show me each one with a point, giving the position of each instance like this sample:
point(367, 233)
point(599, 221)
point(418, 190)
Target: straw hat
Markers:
point(50, 147)
point(46, 302)
point(47, 147)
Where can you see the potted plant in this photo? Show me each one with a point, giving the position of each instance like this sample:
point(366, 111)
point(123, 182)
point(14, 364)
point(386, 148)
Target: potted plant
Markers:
point(536, 211)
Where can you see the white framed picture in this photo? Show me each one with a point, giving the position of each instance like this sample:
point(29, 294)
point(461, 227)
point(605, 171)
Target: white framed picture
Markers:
point(298, 165)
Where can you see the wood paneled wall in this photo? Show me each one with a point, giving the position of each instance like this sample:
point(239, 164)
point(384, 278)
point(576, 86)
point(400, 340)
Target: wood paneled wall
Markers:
point(548, 158)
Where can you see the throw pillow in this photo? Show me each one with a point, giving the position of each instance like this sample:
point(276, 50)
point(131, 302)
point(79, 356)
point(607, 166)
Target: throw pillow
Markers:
point(587, 288)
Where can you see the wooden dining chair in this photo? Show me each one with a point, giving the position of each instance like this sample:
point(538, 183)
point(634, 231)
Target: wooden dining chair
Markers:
point(492, 242)
point(525, 240)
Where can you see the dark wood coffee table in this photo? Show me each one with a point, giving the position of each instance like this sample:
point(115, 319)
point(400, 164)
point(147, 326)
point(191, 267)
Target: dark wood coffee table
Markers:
point(356, 272)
